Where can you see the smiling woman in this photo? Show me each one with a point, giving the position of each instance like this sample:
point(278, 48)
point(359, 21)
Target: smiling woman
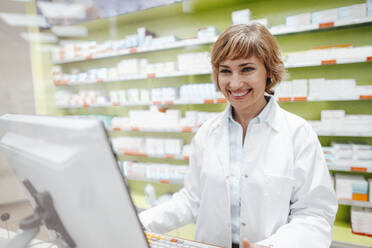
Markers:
point(246, 63)
point(257, 176)
point(243, 83)
point(242, 42)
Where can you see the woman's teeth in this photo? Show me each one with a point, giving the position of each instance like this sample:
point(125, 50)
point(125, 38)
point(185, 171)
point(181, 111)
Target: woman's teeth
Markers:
point(241, 93)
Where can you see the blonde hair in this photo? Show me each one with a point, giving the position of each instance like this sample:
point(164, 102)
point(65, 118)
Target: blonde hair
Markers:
point(244, 41)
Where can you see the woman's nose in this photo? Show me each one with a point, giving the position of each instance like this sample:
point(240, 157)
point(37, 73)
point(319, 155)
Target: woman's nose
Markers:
point(236, 81)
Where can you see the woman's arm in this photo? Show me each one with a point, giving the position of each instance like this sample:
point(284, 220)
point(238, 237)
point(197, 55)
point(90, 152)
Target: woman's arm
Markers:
point(183, 207)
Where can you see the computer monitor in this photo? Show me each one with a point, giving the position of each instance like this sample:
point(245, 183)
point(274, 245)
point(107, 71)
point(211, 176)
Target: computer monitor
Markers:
point(72, 160)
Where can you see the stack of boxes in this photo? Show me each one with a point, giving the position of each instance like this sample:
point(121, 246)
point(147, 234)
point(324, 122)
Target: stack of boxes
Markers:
point(188, 63)
point(349, 155)
point(186, 93)
point(350, 187)
point(194, 62)
point(164, 173)
point(336, 121)
point(315, 89)
point(361, 220)
point(148, 146)
point(83, 50)
point(328, 55)
point(325, 18)
point(82, 98)
point(170, 120)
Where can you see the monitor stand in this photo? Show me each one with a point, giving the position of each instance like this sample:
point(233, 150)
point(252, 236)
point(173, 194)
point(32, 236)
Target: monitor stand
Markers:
point(44, 213)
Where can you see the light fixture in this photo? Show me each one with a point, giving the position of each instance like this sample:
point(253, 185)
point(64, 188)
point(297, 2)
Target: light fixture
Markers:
point(46, 48)
point(39, 37)
point(70, 31)
point(62, 10)
point(25, 20)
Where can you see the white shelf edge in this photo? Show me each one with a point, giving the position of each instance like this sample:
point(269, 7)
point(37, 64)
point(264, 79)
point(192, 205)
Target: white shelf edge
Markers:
point(181, 74)
point(162, 181)
point(137, 77)
point(160, 103)
point(315, 27)
point(355, 203)
point(171, 157)
point(340, 168)
point(182, 102)
point(359, 60)
point(139, 50)
point(356, 134)
point(348, 169)
point(161, 130)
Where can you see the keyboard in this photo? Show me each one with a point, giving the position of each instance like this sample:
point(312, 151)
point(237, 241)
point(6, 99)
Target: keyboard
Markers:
point(164, 241)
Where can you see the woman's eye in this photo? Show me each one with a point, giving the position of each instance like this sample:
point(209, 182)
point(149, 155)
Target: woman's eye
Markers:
point(224, 71)
point(246, 69)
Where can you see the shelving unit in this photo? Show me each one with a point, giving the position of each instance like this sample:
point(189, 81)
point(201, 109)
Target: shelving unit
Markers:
point(196, 42)
point(322, 26)
point(194, 130)
point(162, 181)
point(349, 169)
point(184, 25)
point(138, 50)
point(355, 203)
point(165, 156)
point(342, 232)
point(160, 130)
point(206, 101)
point(135, 77)
point(330, 61)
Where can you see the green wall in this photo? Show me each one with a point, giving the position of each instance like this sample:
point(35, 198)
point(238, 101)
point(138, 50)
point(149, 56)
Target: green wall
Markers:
point(172, 20)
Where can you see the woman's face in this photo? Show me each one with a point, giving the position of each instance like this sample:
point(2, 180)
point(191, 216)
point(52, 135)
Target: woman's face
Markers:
point(243, 81)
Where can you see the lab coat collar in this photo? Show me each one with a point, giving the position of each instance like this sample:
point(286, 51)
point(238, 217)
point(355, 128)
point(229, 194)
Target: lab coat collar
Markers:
point(272, 119)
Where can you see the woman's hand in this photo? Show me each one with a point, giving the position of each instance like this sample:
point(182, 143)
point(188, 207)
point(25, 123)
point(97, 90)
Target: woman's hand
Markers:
point(247, 244)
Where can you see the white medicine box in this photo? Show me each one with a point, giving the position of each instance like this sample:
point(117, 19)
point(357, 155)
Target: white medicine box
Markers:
point(324, 16)
point(352, 12)
point(241, 16)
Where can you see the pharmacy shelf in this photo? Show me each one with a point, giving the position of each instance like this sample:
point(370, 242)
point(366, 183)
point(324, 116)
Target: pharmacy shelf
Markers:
point(363, 204)
point(161, 103)
point(321, 26)
point(196, 42)
point(312, 99)
point(338, 244)
point(331, 61)
point(133, 77)
point(140, 154)
point(162, 181)
point(137, 50)
point(206, 101)
point(342, 233)
point(149, 129)
point(194, 130)
point(344, 134)
point(103, 105)
point(183, 74)
point(350, 168)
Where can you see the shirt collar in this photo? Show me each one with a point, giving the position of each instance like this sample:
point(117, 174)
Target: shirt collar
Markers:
point(261, 117)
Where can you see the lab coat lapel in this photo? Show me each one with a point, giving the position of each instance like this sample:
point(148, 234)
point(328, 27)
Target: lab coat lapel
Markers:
point(223, 157)
point(222, 144)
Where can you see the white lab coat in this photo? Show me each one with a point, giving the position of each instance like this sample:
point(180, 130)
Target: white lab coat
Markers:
point(287, 200)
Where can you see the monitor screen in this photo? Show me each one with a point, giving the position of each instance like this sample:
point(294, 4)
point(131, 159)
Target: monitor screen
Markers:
point(71, 159)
